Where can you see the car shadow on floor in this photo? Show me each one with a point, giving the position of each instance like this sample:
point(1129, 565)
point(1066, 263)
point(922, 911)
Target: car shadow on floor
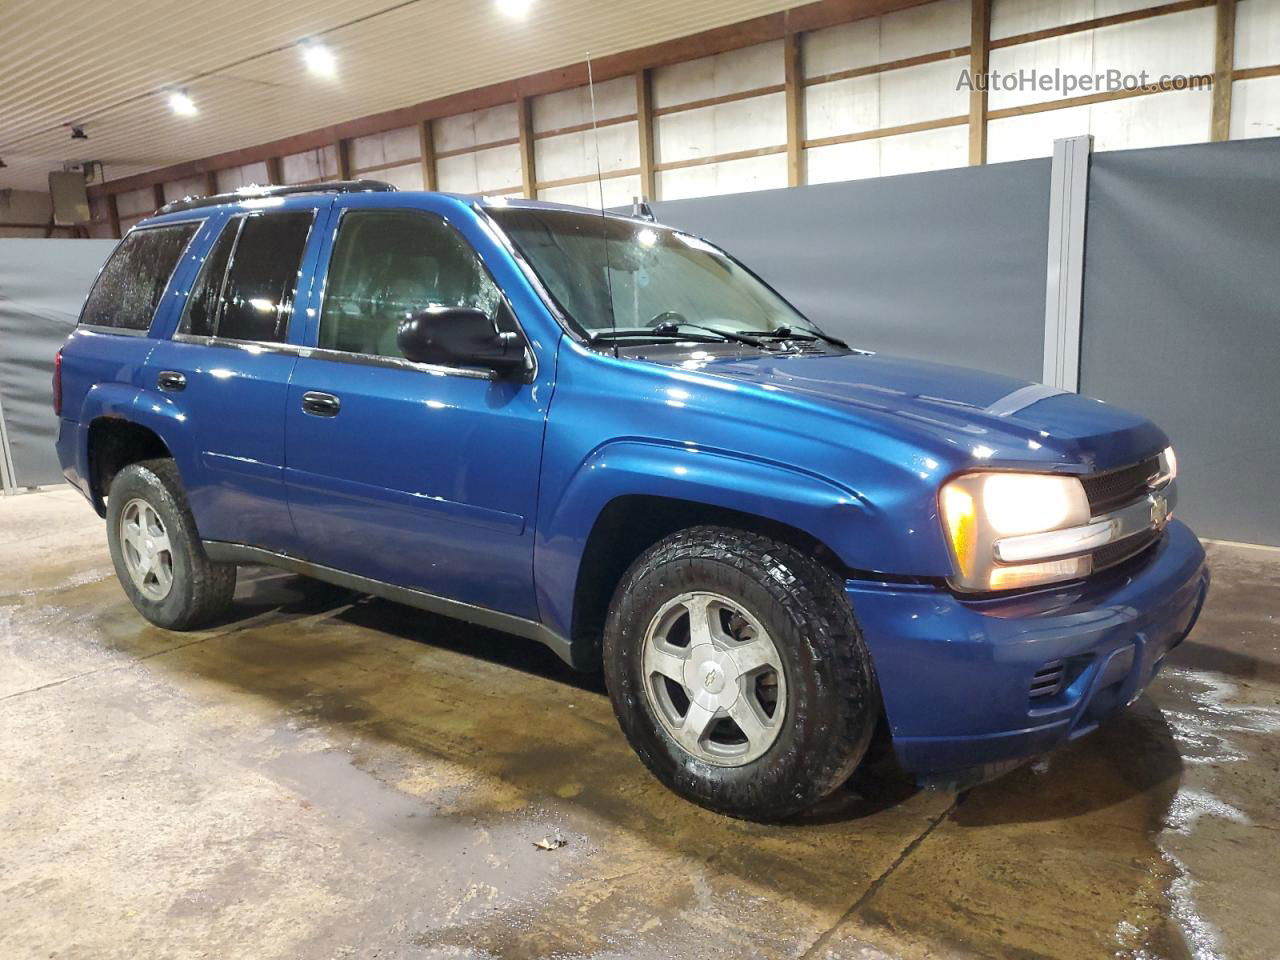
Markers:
point(1132, 755)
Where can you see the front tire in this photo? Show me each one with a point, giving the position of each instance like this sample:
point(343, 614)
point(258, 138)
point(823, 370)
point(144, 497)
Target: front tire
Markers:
point(738, 673)
point(156, 550)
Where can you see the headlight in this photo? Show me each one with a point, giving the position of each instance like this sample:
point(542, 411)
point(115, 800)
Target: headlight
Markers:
point(979, 509)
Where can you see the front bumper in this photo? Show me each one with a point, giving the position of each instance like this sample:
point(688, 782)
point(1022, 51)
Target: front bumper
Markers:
point(971, 683)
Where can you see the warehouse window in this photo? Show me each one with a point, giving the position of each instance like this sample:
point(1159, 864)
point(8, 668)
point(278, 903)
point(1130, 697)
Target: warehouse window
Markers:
point(131, 284)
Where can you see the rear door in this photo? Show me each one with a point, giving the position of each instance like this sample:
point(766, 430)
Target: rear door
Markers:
point(417, 475)
point(227, 367)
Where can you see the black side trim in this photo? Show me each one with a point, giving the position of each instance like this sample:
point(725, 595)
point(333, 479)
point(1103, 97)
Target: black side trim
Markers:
point(223, 552)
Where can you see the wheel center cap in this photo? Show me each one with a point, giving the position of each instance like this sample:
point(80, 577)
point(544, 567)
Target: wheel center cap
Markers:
point(712, 676)
point(151, 546)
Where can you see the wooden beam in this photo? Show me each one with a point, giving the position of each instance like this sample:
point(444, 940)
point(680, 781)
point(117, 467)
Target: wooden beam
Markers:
point(644, 120)
point(113, 215)
point(588, 178)
point(774, 26)
point(887, 131)
point(158, 193)
point(584, 127)
point(887, 66)
point(275, 173)
point(979, 45)
point(459, 151)
point(721, 158)
point(1146, 13)
point(722, 98)
point(793, 70)
point(1223, 66)
point(528, 173)
point(1204, 80)
point(1256, 73)
point(428, 152)
point(341, 149)
point(211, 183)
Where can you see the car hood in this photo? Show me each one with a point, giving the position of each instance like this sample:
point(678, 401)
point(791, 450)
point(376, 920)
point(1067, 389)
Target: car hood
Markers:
point(993, 417)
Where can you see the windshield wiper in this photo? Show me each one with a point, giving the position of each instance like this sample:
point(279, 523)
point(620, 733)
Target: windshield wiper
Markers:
point(654, 334)
point(787, 333)
point(671, 327)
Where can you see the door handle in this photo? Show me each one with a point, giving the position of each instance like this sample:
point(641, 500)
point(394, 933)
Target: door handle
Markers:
point(171, 381)
point(320, 404)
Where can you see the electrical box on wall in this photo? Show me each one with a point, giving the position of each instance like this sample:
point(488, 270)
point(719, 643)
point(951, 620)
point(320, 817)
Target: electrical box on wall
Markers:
point(70, 198)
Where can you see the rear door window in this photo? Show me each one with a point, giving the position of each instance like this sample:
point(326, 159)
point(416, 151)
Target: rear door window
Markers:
point(202, 306)
point(249, 281)
point(133, 281)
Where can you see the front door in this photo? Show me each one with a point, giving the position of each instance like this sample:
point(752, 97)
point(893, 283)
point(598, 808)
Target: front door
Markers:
point(417, 475)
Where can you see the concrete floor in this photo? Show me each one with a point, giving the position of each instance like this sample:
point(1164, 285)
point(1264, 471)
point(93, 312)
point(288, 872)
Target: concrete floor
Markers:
point(329, 776)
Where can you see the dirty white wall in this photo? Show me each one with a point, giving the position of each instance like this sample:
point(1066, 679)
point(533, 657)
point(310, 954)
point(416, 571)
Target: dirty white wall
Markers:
point(24, 206)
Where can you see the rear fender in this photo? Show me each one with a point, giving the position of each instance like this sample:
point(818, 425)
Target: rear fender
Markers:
point(148, 409)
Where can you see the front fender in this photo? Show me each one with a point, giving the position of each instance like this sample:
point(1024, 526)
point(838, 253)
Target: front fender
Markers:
point(832, 514)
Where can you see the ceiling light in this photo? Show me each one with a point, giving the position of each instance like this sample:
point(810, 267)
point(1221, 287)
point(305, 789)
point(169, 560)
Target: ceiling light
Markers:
point(77, 133)
point(181, 104)
point(515, 8)
point(319, 59)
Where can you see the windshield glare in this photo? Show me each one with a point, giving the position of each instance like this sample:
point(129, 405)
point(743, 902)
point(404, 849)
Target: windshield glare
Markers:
point(657, 276)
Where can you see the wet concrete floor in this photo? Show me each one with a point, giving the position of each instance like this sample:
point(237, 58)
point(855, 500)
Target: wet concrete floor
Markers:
point(331, 776)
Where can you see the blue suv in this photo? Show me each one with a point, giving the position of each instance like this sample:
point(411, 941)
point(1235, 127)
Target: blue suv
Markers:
point(610, 437)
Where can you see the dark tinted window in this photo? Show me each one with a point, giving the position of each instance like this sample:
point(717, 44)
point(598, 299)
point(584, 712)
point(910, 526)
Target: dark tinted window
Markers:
point(388, 264)
point(202, 307)
point(257, 297)
point(133, 281)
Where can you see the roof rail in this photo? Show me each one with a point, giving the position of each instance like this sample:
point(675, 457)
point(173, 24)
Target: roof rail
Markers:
point(255, 193)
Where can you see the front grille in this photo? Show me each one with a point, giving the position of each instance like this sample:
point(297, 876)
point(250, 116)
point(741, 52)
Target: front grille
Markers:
point(1117, 553)
point(1115, 488)
point(1047, 681)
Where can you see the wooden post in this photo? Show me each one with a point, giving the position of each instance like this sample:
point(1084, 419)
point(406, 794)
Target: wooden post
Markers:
point(113, 215)
point(644, 120)
point(427, 144)
point(979, 54)
point(344, 160)
point(528, 171)
point(157, 191)
point(211, 183)
point(1224, 63)
point(275, 175)
point(795, 109)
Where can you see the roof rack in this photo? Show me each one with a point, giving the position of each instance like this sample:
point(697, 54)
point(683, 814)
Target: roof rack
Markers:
point(256, 193)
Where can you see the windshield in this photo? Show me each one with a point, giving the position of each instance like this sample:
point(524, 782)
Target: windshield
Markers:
point(660, 279)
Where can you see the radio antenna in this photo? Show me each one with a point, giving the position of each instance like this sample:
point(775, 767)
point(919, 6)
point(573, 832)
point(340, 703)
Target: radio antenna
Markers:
point(604, 220)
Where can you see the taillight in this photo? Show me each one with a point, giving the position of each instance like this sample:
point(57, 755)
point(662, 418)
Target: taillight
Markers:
point(57, 385)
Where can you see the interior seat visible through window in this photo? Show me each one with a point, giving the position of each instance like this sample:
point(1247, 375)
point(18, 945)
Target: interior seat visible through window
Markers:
point(389, 264)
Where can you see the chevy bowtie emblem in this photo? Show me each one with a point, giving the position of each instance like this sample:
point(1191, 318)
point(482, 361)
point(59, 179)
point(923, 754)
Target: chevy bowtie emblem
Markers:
point(1159, 511)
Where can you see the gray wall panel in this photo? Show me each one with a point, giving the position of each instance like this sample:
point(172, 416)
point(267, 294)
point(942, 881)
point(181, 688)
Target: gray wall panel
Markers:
point(946, 266)
point(1182, 317)
point(43, 284)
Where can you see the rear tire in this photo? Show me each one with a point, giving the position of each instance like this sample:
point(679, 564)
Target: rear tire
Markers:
point(756, 730)
point(156, 550)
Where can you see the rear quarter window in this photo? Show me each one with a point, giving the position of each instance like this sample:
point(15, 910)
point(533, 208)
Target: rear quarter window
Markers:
point(130, 286)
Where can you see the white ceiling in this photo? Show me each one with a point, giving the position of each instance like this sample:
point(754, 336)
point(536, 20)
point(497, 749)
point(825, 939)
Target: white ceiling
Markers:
point(108, 66)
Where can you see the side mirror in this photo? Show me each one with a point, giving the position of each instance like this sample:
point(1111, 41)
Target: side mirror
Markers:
point(459, 336)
